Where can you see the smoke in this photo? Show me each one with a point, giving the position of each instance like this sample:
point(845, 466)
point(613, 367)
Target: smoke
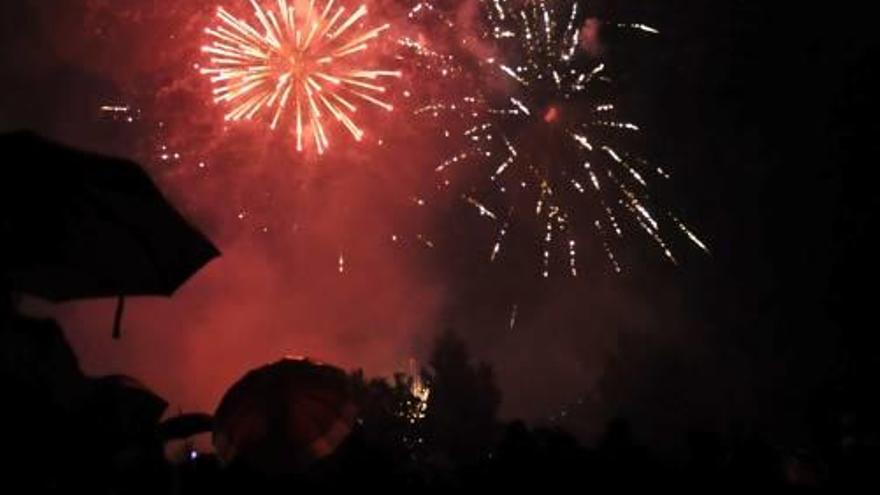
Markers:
point(316, 257)
point(321, 256)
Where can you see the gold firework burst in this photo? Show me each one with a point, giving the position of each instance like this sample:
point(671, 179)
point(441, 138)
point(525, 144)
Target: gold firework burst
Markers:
point(299, 65)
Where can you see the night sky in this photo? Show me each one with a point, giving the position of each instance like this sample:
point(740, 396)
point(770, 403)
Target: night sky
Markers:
point(764, 115)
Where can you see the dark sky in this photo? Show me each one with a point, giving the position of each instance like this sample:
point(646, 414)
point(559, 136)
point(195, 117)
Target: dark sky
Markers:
point(765, 113)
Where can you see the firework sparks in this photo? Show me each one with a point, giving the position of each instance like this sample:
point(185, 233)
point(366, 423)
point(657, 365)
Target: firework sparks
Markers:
point(551, 137)
point(513, 314)
point(416, 409)
point(298, 67)
point(120, 113)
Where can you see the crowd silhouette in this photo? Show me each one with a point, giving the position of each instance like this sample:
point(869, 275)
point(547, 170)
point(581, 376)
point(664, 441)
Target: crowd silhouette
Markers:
point(64, 430)
point(774, 118)
point(297, 424)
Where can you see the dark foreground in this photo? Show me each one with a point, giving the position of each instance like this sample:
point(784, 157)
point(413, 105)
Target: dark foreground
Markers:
point(64, 431)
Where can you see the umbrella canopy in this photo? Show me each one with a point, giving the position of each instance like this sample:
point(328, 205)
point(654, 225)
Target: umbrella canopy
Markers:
point(186, 425)
point(122, 409)
point(78, 225)
point(281, 417)
point(37, 358)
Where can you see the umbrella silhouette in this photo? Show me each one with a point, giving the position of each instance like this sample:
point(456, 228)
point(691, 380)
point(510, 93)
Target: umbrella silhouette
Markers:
point(77, 225)
point(186, 425)
point(124, 406)
point(281, 417)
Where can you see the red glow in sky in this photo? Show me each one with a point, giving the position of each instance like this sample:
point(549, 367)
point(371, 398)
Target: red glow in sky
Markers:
point(286, 222)
point(319, 254)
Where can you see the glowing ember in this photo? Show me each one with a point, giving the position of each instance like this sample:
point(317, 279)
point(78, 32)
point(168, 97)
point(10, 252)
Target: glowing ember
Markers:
point(300, 64)
point(416, 409)
point(551, 115)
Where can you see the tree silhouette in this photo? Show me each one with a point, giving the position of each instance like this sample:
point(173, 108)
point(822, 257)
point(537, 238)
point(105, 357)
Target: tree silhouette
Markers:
point(385, 420)
point(460, 424)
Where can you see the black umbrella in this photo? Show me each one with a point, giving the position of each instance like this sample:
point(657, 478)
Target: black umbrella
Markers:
point(186, 425)
point(122, 408)
point(78, 225)
point(281, 417)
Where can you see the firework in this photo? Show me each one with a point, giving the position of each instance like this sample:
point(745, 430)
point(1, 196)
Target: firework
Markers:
point(299, 66)
point(416, 407)
point(545, 130)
